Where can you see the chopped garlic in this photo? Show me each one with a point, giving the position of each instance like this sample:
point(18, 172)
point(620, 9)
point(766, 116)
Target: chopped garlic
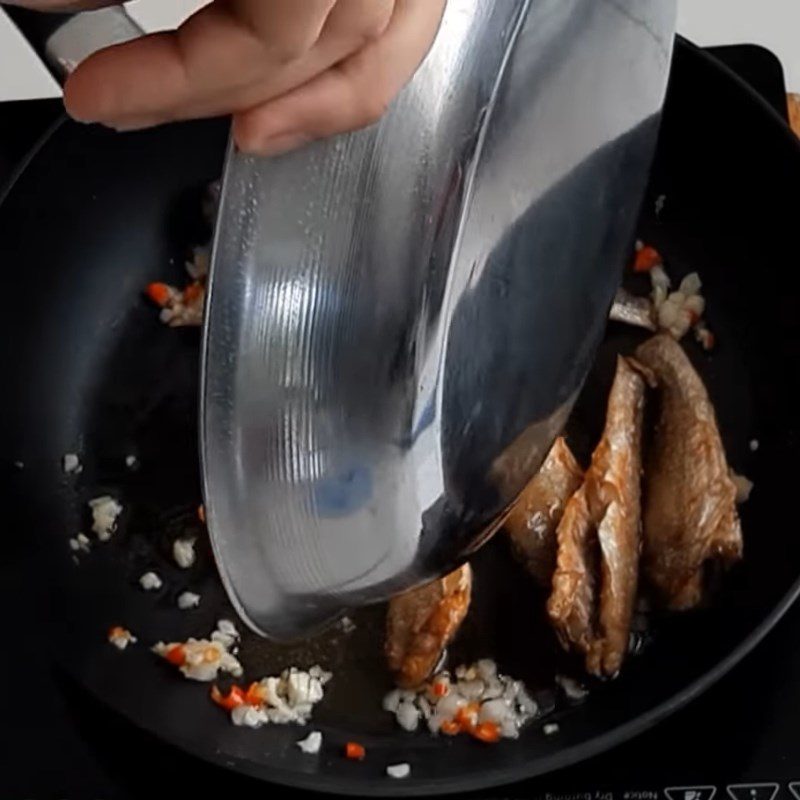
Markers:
point(408, 716)
point(391, 702)
point(71, 464)
point(550, 729)
point(691, 284)
point(311, 744)
point(480, 692)
point(105, 511)
point(497, 710)
point(203, 660)
point(183, 552)
point(660, 282)
point(223, 639)
point(248, 716)
point(320, 674)
point(288, 698)
point(188, 600)
point(228, 628)
point(225, 633)
point(150, 581)
point(347, 625)
point(695, 304)
point(398, 771)
point(486, 668)
point(302, 688)
point(704, 336)
point(471, 690)
point(80, 543)
point(121, 637)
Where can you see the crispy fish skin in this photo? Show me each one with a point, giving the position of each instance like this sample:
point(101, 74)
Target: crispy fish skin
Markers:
point(690, 512)
point(599, 537)
point(422, 622)
point(532, 521)
point(572, 603)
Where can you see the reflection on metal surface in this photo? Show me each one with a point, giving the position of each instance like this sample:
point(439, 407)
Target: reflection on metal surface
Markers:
point(633, 310)
point(400, 318)
point(85, 33)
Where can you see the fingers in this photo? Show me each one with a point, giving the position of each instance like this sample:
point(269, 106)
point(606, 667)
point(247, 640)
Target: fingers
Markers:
point(299, 32)
point(358, 21)
point(210, 65)
point(348, 58)
point(229, 56)
point(350, 95)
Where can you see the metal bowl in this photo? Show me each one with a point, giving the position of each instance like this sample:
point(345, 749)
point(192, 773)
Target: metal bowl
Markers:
point(399, 319)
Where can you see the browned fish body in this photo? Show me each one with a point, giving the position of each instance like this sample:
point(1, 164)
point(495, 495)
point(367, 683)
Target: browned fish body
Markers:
point(690, 500)
point(532, 521)
point(422, 622)
point(594, 585)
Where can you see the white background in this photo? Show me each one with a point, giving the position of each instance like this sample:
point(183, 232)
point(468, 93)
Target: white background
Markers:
point(772, 23)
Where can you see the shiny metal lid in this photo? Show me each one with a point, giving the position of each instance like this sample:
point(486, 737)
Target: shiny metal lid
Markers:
point(399, 319)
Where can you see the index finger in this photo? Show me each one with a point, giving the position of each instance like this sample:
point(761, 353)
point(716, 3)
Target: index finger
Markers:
point(220, 59)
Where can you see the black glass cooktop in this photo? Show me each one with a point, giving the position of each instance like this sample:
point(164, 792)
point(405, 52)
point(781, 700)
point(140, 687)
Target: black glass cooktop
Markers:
point(740, 741)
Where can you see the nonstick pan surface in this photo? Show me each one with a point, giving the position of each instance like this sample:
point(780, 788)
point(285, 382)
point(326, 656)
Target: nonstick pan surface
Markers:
point(87, 368)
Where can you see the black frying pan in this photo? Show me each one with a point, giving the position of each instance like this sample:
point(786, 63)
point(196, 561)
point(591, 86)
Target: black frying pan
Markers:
point(87, 368)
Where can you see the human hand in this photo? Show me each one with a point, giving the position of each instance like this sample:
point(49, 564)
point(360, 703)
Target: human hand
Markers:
point(289, 71)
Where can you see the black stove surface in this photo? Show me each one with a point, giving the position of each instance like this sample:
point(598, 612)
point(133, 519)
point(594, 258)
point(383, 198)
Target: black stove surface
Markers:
point(738, 742)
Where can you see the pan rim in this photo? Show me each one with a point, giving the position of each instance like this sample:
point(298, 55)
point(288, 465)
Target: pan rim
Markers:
point(8, 185)
point(367, 787)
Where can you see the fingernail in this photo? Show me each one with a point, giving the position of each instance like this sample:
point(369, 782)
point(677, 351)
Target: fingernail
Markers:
point(135, 123)
point(81, 121)
point(82, 118)
point(117, 125)
point(124, 127)
point(278, 144)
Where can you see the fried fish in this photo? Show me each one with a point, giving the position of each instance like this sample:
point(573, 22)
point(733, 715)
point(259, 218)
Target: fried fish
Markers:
point(596, 576)
point(422, 622)
point(532, 520)
point(690, 515)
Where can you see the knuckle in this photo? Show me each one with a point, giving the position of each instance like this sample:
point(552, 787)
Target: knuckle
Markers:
point(365, 22)
point(372, 29)
point(288, 51)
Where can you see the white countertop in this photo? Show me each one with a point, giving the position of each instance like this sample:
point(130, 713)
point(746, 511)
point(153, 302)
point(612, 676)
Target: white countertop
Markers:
point(772, 23)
